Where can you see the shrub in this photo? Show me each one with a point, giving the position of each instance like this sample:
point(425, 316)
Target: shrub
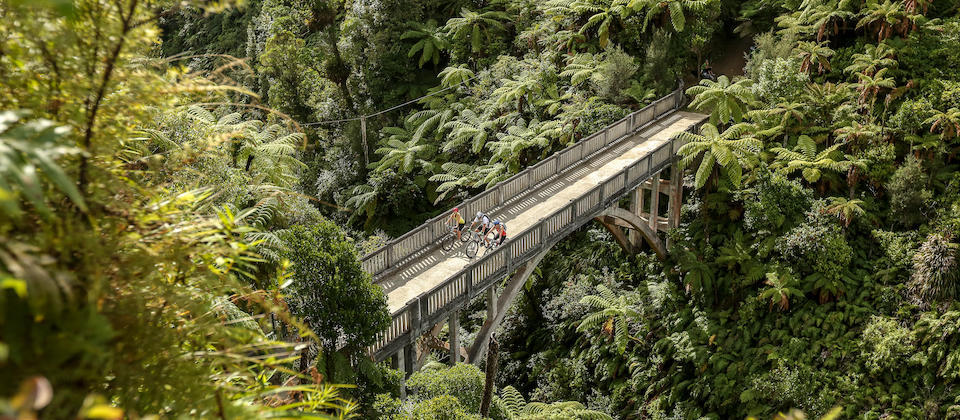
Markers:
point(911, 114)
point(778, 80)
point(444, 407)
point(775, 203)
point(596, 115)
point(934, 271)
point(884, 344)
point(464, 381)
point(614, 76)
point(789, 387)
point(818, 247)
point(909, 196)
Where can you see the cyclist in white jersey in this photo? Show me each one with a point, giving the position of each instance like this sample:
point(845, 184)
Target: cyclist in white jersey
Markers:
point(482, 225)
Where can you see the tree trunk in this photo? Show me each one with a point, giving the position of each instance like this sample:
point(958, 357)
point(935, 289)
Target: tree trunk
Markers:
point(491, 373)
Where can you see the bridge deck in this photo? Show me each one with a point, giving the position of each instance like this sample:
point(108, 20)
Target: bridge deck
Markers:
point(433, 268)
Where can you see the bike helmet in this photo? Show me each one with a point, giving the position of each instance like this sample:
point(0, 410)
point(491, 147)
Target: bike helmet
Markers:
point(456, 209)
point(479, 214)
point(496, 222)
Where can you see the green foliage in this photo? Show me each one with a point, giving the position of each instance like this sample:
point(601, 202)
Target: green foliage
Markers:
point(817, 247)
point(477, 28)
point(512, 404)
point(909, 195)
point(142, 251)
point(811, 163)
point(463, 381)
point(27, 150)
point(886, 345)
point(612, 313)
point(731, 151)
point(443, 407)
point(430, 42)
point(330, 290)
point(724, 100)
point(934, 271)
point(778, 78)
point(789, 386)
point(775, 204)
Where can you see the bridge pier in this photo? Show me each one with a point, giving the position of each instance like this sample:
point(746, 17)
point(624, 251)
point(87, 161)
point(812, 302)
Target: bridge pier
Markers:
point(491, 302)
point(453, 331)
point(479, 347)
point(676, 197)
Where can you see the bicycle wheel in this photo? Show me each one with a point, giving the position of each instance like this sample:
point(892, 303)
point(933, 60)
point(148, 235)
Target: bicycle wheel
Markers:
point(464, 236)
point(447, 242)
point(471, 249)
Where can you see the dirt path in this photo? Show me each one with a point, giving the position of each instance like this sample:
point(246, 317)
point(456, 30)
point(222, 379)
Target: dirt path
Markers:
point(732, 58)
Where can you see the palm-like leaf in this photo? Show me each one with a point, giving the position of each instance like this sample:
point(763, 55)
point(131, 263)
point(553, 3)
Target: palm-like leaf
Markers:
point(469, 127)
point(732, 150)
point(845, 209)
point(580, 68)
point(475, 26)
point(455, 75)
point(430, 41)
point(811, 163)
point(814, 54)
point(404, 151)
point(780, 290)
point(662, 11)
point(614, 312)
point(726, 101)
point(885, 18)
point(947, 123)
point(874, 58)
point(870, 86)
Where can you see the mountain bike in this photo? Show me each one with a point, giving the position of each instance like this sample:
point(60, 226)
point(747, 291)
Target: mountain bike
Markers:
point(449, 241)
point(476, 241)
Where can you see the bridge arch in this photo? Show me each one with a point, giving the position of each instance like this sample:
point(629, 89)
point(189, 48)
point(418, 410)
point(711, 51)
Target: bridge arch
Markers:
point(497, 307)
point(607, 217)
point(497, 310)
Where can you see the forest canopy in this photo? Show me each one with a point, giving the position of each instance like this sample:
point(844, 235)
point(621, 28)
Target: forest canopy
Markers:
point(187, 189)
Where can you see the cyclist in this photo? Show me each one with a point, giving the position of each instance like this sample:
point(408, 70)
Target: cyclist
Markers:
point(457, 218)
point(481, 224)
point(499, 232)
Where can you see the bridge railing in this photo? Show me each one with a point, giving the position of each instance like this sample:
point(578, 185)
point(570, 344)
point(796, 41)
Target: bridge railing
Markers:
point(425, 237)
point(432, 306)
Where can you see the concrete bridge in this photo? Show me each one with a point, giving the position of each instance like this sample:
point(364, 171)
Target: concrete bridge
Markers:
point(589, 180)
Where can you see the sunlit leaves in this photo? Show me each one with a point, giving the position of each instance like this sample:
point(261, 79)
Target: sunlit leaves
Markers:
point(29, 154)
point(731, 150)
point(724, 100)
point(455, 75)
point(810, 162)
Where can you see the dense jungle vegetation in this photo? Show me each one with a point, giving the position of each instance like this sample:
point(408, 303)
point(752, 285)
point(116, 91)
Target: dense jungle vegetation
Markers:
point(186, 187)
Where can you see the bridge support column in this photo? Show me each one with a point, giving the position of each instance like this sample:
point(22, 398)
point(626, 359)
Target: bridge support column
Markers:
point(401, 365)
point(454, 333)
point(479, 347)
point(636, 207)
point(654, 201)
point(409, 359)
point(492, 302)
point(676, 197)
